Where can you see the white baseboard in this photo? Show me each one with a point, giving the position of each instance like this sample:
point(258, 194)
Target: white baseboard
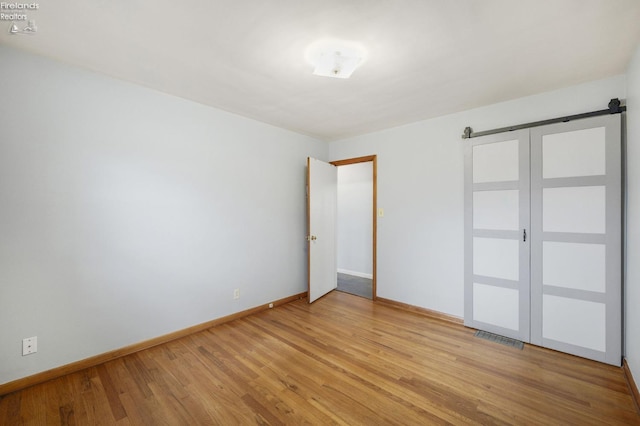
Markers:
point(357, 274)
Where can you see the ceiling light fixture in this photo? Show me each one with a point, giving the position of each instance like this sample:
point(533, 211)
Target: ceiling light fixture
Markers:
point(333, 58)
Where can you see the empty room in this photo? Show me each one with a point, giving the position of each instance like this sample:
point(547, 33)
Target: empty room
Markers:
point(342, 212)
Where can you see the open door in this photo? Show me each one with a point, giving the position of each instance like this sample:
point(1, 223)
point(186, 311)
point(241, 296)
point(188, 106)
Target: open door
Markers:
point(322, 201)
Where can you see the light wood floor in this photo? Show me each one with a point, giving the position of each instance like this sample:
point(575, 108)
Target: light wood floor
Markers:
point(342, 360)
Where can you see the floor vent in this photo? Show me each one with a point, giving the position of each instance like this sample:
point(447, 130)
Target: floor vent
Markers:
point(500, 339)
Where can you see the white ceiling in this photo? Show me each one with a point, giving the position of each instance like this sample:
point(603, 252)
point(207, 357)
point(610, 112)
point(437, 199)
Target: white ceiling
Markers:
point(426, 58)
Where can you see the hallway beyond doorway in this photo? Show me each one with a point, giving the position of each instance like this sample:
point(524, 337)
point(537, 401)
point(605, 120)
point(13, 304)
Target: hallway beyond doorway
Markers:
point(355, 285)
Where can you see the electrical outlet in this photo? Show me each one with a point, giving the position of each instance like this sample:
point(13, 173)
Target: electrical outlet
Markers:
point(380, 212)
point(29, 345)
point(236, 293)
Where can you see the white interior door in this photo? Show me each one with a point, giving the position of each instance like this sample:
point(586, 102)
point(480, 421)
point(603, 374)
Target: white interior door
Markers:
point(496, 240)
point(322, 201)
point(576, 245)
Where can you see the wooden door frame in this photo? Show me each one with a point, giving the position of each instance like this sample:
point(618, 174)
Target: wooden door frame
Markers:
point(374, 160)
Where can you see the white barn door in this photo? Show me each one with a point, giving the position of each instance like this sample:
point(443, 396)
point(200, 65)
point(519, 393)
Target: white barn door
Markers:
point(576, 247)
point(496, 234)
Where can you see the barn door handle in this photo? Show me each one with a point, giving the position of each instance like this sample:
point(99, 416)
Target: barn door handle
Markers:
point(524, 235)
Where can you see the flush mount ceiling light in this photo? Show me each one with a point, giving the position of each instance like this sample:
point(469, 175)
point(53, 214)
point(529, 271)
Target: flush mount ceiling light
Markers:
point(333, 58)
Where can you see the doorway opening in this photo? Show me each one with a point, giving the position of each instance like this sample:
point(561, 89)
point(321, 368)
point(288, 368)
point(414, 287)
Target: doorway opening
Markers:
point(356, 225)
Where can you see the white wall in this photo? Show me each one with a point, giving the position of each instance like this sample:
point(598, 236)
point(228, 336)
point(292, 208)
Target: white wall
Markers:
point(420, 186)
point(127, 213)
point(355, 220)
point(632, 300)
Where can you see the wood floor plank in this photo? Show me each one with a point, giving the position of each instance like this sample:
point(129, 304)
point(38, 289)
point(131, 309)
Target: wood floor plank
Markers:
point(33, 408)
point(343, 360)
